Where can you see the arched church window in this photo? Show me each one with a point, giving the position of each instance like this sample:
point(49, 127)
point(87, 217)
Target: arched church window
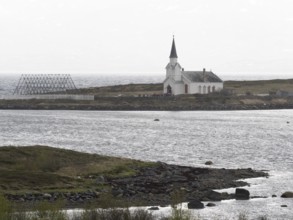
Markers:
point(214, 88)
point(204, 90)
point(186, 89)
point(209, 89)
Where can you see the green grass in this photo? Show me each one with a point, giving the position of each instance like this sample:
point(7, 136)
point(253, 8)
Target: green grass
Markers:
point(41, 168)
point(239, 87)
point(259, 86)
point(124, 90)
point(47, 210)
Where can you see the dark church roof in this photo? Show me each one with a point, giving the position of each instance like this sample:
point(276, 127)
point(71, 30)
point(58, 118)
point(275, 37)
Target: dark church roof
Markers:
point(201, 76)
point(173, 53)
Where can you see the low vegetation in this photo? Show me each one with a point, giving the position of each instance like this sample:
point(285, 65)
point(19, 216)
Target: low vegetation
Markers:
point(41, 169)
point(259, 86)
point(46, 211)
point(124, 90)
point(45, 169)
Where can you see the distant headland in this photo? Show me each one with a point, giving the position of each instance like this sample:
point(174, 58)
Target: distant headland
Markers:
point(237, 95)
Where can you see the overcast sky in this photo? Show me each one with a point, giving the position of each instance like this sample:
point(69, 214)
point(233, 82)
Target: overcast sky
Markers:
point(134, 36)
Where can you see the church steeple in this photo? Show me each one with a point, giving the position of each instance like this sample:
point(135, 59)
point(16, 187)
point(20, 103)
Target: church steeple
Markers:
point(173, 53)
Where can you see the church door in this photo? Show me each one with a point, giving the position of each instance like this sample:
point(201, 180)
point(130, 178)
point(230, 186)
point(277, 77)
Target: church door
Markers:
point(186, 89)
point(169, 90)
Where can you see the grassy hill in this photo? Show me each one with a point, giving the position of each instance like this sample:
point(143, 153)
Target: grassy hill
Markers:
point(41, 168)
point(259, 86)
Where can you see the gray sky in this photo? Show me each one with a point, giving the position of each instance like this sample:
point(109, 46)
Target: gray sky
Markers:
point(134, 36)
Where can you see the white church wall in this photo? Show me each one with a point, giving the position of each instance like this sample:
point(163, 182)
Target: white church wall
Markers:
point(193, 88)
point(179, 89)
point(174, 73)
point(166, 83)
point(203, 88)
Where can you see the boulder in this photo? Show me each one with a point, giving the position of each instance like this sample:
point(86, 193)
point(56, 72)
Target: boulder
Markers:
point(100, 180)
point(157, 119)
point(195, 184)
point(284, 206)
point(47, 196)
point(154, 208)
point(241, 194)
point(214, 196)
point(117, 192)
point(225, 196)
point(208, 162)
point(210, 204)
point(287, 194)
point(274, 196)
point(195, 204)
point(177, 178)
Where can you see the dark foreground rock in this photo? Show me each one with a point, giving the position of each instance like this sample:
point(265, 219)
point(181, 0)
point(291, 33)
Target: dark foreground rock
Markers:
point(159, 185)
point(154, 208)
point(287, 194)
point(195, 204)
point(210, 204)
point(241, 194)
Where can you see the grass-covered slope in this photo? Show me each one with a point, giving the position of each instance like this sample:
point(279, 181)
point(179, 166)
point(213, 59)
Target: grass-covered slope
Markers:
point(41, 168)
point(29, 175)
point(259, 86)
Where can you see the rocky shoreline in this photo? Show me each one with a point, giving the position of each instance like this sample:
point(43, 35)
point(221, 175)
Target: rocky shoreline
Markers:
point(158, 185)
point(156, 103)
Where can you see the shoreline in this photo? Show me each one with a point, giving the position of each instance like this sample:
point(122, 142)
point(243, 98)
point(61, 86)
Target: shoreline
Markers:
point(237, 95)
point(112, 182)
point(178, 103)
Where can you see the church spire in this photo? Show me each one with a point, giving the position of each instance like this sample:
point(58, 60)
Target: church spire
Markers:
point(173, 53)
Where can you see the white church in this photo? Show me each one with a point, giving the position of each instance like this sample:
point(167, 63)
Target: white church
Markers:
point(179, 81)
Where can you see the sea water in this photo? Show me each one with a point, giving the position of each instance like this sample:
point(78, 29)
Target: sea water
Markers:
point(261, 140)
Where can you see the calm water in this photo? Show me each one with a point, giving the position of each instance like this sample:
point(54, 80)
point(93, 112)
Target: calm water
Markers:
point(231, 139)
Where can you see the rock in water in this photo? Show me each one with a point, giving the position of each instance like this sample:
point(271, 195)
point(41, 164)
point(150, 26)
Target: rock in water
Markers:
point(208, 162)
point(154, 208)
point(241, 194)
point(157, 119)
point(210, 204)
point(195, 204)
point(287, 194)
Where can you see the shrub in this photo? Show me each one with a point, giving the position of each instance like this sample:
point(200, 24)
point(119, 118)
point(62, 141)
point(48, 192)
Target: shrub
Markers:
point(5, 208)
point(47, 210)
point(114, 214)
point(242, 216)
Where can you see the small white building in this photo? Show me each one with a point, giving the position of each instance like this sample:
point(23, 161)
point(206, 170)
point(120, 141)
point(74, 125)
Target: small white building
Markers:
point(179, 81)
